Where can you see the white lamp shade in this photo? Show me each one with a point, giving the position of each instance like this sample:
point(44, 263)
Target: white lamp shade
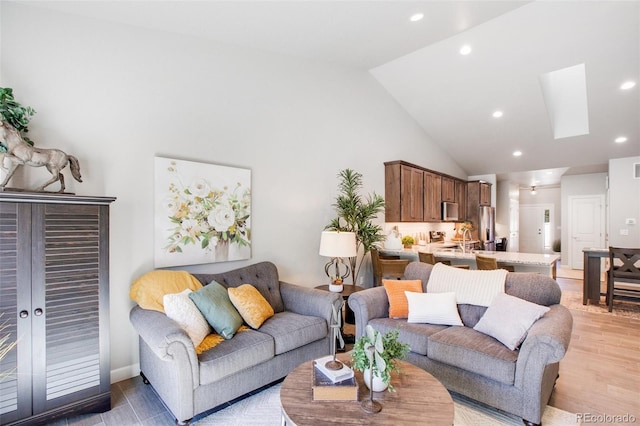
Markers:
point(338, 244)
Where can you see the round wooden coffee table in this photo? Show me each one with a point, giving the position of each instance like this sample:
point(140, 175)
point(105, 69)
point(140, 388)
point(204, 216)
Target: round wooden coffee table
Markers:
point(419, 399)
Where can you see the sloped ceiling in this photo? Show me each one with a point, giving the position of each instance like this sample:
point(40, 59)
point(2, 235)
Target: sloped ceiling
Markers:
point(450, 95)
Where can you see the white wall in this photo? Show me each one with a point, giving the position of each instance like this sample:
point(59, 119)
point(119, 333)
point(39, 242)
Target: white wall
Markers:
point(116, 96)
point(588, 184)
point(624, 203)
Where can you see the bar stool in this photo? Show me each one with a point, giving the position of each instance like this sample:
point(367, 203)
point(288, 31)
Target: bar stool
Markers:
point(387, 268)
point(623, 281)
point(487, 263)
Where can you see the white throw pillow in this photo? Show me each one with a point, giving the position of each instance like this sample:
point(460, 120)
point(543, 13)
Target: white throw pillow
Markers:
point(509, 318)
point(433, 308)
point(180, 308)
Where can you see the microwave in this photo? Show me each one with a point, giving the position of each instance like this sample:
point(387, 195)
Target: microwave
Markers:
point(449, 211)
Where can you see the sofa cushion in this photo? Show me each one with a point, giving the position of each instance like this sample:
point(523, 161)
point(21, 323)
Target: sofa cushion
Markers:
point(470, 350)
point(471, 287)
point(214, 303)
point(245, 350)
point(290, 330)
point(398, 305)
point(253, 308)
point(180, 308)
point(433, 308)
point(509, 318)
point(149, 289)
point(415, 335)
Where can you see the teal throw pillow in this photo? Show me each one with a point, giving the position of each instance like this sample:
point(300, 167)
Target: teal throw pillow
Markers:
point(214, 303)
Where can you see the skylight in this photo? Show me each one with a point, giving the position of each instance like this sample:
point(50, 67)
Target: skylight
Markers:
point(565, 95)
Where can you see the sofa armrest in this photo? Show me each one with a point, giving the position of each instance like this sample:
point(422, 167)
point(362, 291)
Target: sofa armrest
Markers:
point(167, 340)
point(546, 343)
point(309, 301)
point(367, 305)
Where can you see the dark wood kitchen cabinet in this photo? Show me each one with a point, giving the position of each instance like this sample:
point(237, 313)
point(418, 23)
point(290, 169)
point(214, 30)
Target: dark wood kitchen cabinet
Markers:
point(404, 193)
point(432, 197)
point(448, 189)
point(54, 302)
point(461, 198)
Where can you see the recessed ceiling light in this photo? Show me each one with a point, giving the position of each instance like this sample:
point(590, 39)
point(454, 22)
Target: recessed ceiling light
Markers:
point(517, 153)
point(465, 50)
point(620, 139)
point(497, 114)
point(416, 17)
point(628, 85)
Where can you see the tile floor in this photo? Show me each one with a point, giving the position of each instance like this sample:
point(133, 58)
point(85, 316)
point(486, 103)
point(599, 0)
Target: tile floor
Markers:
point(135, 404)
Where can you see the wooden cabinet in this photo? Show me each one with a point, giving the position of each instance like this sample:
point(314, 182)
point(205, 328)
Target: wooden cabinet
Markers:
point(415, 194)
point(432, 197)
point(54, 271)
point(461, 198)
point(448, 189)
point(404, 193)
point(478, 194)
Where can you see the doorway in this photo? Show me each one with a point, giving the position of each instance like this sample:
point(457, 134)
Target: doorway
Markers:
point(586, 226)
point(537, 228)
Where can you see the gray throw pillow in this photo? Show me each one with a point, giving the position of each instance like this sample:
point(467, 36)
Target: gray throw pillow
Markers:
point(214, 303)
point(509, 318)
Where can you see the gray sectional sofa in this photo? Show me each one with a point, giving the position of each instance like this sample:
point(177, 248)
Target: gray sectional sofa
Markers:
point(476, 365)
point(190, 384)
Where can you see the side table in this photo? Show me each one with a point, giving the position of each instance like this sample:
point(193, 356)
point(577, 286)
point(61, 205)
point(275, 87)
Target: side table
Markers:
point(347, 290)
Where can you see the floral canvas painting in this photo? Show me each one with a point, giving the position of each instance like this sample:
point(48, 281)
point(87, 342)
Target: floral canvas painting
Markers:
point(202, 213)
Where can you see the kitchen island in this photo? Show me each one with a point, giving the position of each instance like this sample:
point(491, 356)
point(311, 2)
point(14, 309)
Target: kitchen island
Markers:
point(521, 262)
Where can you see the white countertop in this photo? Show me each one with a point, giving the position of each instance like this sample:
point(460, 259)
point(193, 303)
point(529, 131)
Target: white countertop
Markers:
point(502, 256)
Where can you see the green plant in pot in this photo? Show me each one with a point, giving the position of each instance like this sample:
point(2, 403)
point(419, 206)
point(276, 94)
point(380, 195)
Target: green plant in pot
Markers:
point(356, 214)
point(408, 241)
point(376, 355)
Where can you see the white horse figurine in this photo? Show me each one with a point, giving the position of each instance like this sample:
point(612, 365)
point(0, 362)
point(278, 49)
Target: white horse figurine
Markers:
point(21, 153)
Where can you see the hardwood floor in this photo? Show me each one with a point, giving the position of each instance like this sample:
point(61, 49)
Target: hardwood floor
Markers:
point(600, 374)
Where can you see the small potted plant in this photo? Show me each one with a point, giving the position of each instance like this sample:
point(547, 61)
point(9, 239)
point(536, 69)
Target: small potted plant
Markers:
point(376, 355)
point(408, 241)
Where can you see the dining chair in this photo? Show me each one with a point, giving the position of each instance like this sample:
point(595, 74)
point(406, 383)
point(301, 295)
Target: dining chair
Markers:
point(387, 267)
point(430, 258)
point(486, 263)
point(623, 277)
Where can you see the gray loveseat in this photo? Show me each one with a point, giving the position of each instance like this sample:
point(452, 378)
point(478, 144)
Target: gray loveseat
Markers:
point(190, 384)
point(473, 364)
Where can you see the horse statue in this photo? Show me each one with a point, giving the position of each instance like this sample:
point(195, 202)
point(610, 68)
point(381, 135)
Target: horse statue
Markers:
point(21, 153)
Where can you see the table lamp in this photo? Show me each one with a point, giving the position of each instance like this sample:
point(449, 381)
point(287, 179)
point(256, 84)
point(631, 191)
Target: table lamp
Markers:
point(337, 245)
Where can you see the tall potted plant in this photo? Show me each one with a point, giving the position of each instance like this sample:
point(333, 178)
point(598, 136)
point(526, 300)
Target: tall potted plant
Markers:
point(355, 214)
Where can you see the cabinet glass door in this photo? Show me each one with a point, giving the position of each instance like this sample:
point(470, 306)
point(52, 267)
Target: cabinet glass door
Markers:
point(15, 312)
point(66, 290)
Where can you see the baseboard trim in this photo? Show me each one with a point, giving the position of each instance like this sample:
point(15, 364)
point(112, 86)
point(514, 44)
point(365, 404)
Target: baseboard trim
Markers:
point(125, 373)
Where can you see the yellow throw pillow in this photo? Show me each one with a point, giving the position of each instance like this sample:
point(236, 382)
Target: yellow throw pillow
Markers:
point(398, 303)
point(253, 307)
point(148, 290)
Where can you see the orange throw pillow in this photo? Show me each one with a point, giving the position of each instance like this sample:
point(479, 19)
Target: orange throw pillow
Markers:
point(398, 303)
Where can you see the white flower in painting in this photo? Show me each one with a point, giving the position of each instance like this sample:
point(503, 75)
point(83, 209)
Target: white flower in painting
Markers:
point(199, 188)
point(172, 204)
point(191, 227)
point(221, 218)
point(196, 209)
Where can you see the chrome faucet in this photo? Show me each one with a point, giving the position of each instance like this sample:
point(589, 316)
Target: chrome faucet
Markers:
point(464, 239)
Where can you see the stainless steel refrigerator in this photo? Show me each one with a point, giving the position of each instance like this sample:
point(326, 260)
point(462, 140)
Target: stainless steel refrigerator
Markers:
point(487, 228)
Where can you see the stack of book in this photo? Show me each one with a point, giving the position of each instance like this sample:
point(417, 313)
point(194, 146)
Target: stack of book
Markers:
point(333, 385)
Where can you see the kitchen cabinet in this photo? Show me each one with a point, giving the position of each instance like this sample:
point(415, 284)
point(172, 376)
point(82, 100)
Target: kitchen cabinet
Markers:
point(461, 198)
point(478, 194)
point(54, 288)
point(448, 189)
point(432, 197)
point(404, 193)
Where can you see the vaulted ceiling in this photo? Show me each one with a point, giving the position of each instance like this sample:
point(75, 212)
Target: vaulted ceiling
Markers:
point(453, 96)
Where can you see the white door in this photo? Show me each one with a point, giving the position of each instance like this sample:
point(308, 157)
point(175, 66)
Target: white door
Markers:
point(536, 224)
point(586, 226)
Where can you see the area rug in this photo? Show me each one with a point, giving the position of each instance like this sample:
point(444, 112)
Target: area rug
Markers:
point(263, 409)
point(573, 300)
